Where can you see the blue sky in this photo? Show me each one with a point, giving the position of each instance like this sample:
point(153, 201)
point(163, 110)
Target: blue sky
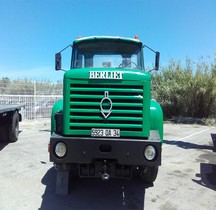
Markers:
point(32, 31)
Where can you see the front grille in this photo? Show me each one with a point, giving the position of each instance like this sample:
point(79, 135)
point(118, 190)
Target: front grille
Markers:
point(85, 108)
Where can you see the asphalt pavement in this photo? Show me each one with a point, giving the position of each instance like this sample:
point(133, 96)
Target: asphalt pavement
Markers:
point(186, 179)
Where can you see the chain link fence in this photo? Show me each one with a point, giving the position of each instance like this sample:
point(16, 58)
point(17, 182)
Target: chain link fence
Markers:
point(37, 97)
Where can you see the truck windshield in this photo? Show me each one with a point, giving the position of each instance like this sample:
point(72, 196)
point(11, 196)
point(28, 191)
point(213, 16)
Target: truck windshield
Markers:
point(107, 54)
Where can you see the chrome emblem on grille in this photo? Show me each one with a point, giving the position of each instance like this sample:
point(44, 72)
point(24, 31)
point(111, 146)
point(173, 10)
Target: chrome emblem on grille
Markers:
point(106, 100)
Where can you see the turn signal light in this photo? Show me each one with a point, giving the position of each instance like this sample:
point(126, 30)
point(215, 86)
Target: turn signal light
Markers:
point(48, 147)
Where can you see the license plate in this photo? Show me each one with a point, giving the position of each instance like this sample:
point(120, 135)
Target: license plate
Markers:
point(105, 132)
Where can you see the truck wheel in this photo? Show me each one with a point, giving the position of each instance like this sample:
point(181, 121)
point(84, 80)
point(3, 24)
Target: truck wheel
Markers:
point(148, 174)
point(13, 129)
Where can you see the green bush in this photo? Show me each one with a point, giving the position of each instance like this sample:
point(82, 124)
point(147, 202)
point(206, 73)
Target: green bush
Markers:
point(188, 91)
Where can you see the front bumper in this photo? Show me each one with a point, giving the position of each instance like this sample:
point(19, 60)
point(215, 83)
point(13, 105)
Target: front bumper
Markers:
point(85, 150)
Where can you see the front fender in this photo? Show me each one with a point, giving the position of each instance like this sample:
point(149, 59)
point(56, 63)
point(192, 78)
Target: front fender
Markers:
point(156, 117)
point(58, 106)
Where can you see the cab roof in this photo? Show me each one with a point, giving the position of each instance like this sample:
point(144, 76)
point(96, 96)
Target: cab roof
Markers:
point(106, 38)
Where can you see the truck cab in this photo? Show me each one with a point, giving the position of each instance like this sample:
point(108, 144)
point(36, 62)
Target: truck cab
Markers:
point(106, 125)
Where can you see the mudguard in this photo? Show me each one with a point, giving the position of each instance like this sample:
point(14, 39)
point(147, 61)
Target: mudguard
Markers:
point(58, 106)
point(156, 117)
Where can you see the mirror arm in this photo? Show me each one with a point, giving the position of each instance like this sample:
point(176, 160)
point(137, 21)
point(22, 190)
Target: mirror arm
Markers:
point(149, 48)
point(70, 45)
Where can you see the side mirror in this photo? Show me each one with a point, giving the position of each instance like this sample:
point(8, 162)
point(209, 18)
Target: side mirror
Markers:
point(58, 61)
point(157, 60)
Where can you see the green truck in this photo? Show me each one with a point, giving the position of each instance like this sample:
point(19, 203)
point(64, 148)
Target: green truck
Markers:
point(107, 125)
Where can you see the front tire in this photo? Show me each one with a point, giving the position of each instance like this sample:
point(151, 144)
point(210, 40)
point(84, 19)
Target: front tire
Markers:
point(148, 174)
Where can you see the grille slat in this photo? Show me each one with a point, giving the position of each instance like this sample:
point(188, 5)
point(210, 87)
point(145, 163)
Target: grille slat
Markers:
point(98, 125)
point(119, 90)
point(78, 103)
point(100, 96)
point(85, 118)
point(97, 111)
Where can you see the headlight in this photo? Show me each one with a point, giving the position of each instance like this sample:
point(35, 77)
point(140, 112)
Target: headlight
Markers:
point(150, 152)
point(60, 149)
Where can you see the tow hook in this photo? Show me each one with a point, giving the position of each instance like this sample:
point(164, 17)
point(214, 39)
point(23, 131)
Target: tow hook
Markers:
point(105, 176)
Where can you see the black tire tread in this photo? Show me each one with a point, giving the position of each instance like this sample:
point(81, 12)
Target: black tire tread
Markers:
point(14, 124)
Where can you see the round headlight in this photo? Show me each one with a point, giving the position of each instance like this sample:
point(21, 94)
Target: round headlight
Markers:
point(150, 152)
point(60, 149)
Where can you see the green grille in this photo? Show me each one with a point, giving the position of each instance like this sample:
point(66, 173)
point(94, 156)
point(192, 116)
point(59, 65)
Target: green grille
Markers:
point(85, 112)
